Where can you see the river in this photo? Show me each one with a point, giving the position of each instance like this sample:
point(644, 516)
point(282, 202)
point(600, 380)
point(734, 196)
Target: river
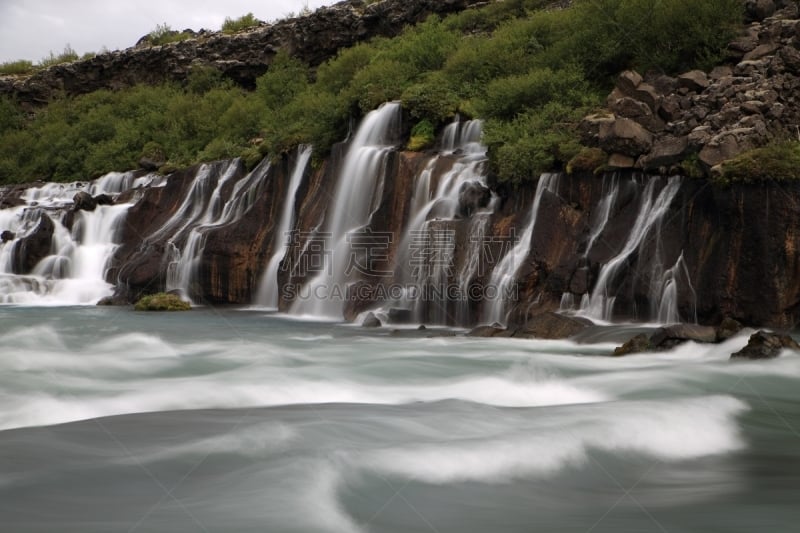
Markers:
point(241, 420)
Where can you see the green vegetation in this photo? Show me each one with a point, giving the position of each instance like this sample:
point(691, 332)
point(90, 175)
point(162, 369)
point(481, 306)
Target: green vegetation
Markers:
point(163, 34)
point(531, 73)
point(777, 161)
point(162, 302)
point(242, 23)
point(67, 56)
point(587, 160)
point(15, 68)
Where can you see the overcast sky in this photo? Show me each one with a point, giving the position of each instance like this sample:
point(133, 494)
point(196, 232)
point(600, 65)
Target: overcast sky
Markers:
point(30, 29)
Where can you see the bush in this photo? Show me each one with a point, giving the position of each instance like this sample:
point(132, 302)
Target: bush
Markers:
point(423, 135)
point(431, 98)
point(162, 302)
point(242, 23)
point(16, 68)
point(67, 56)
point(163, 34)
point(778, 161)
point(587, 160)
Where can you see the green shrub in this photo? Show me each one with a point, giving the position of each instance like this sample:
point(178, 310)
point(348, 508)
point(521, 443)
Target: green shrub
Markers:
point(285, 78)
point(202, 79)
point(68, 55)
point(162, 302)
point(163, 34)
point(587, 160)
point(779, 161)
point(242, 23)
point(16, 68)
point(431, 98)
point(423, 135)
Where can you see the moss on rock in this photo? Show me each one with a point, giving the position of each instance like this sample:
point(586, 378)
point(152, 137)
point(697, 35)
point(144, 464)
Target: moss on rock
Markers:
point(162, 302)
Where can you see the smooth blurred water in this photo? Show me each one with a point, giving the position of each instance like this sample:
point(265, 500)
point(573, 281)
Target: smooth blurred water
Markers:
point(235, 420)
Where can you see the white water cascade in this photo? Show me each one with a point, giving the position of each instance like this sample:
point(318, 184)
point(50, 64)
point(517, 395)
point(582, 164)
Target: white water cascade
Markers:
point(74, 271)
point(269, 291)
point(359, 189)
point(184, 261)
point(600, 304)
point(504, 274)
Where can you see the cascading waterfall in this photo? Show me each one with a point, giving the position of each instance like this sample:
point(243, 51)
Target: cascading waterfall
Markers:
point(600, 304)
point(269, 291)
point(74, 271)
point(182, 271)
point(664, 293)
point(434, 203)
point(603, 213)
point(359, 187)
point(504, 274)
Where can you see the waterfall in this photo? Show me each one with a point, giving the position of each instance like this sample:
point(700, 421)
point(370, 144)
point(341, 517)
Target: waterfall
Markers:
point(504, 274)
point(603, 213)
point(184, 261)
point(600, 304)
point(269, 291)
point(359, 188)
point(664, 293)
point(74, 271)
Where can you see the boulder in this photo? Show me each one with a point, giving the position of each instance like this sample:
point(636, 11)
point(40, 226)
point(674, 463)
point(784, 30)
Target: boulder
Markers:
point(83, 201)
point(371, 321)
point(694, 80)
point(765, 345)
point(638, 344)
point(756, 10)
point(668, 337)
point(620, 161)
point(666, 151)
point(760, 51)
point(486, 331)
point(727, 329)
point(7, 236)
point(398, 315)
point(719, 149)
point(649, 95)
point(628, 81)
point(590, 126)
point(33, 247)
point(472, 196)
point(150, 165)
point(791, 59)
point(103, 199)
point(553, 326)
point(625, 136)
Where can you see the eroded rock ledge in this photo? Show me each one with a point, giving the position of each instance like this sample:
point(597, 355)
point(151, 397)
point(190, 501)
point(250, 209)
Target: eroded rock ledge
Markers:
point(243, 57)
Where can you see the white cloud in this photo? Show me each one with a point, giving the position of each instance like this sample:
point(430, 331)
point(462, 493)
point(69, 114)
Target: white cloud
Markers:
point(30, 29)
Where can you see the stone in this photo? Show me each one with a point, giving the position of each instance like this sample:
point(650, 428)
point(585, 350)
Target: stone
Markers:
point(719, 149)
point(720, 72)
point(151, 165)
point(765, 345)
point(757, 10)
point(371, 321)
point(628, 81)
point(728, 328)
point(472, 196)
point(668, 337)
point(791, 59)
point(590, 126)
point(33, 247)
point(694, 80)
point(618, 161)
point(103, 199)
point(625, 136)
point(663, 84)
point(666, 151)
point(83, 201)
point(486, 331)
point(398, 315)
point(7, 236)
point(553, 326)
point(638, 111)
point(670, 109)
point(647, 93)
point(638, 344)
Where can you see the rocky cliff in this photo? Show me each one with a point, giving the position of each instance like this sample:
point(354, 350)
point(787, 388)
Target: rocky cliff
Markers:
point(243, 57)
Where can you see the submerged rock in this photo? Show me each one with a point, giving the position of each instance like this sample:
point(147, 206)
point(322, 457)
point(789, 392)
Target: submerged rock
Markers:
point(671, 336)
point(371, 321)
point(728, 328)
point(553, 326)
point(765, 345)
point(487, 331)
point(83, 201)
point(640, 343)
point(7, 236)
point(33, 247)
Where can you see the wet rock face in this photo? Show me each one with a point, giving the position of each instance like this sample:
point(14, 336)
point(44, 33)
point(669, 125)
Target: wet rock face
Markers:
point(471, 197)
point(242, 57)
point(34, 246)
point(659, 121)
point(764, 345)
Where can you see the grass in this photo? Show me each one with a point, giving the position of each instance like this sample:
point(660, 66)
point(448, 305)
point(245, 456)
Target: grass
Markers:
point(162, 302)
point(778, 161)
point(240, 24)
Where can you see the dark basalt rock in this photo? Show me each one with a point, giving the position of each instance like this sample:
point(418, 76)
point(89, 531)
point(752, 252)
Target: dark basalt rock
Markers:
point(472, 196)
point(103, 199)
point(671, 336)
point(7, 236)
point(83, 201)
point(727, 329)
point(552, 326)
point(33, 247)
point(638, 344)
point(764, 345)
point(486, 331)
point(371, 321)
